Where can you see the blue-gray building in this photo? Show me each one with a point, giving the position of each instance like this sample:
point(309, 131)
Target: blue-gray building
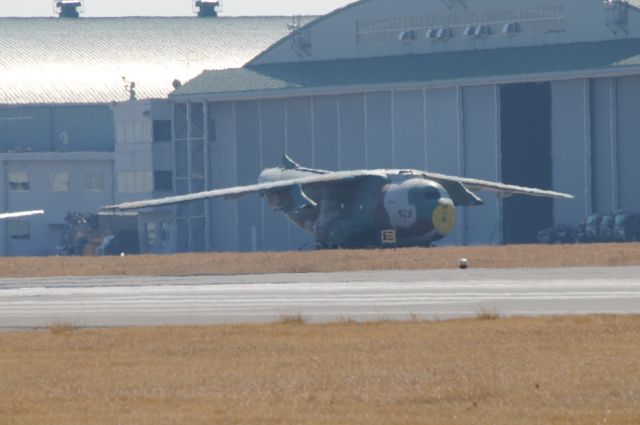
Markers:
point(84, 116)
point(540, 93)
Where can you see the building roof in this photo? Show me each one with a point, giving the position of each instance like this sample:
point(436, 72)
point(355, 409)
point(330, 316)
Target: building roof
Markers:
point(306, 25)
point(52, 60)
point(601, 57)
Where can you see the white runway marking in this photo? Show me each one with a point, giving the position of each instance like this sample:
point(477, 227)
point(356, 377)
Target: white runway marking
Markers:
point(141, 301)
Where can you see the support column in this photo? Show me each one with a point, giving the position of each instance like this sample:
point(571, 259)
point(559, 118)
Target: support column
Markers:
point(462, 240)
point(366, 139)
point(189, 182)
point(261, 153)
point(588, 170)
point(339, 132)
point(3, 207)
point(615, 160)
point(425, 127)
point(393, 128)
point(498, 147)
point(235, 154)
point(207, 178)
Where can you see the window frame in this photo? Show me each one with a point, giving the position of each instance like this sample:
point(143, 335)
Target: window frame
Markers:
point(165, 176)
point(162, 131)
point(20, 184)
point(90, 181)
point(53, 181)
point(19, 230)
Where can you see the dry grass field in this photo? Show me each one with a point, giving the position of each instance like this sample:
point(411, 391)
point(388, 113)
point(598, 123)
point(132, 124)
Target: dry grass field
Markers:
point(326, 261)
point(578, 370)
point(487, 370)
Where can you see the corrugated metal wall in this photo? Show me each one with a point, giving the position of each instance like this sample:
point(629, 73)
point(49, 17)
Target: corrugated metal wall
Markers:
point(628, 142)
point(571, 148)
point(603, 135)
point(455, 131)
point(481, 159)
point(422, 129)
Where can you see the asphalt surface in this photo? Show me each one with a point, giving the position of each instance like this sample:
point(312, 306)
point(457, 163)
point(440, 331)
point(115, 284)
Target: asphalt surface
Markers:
point(318, 297)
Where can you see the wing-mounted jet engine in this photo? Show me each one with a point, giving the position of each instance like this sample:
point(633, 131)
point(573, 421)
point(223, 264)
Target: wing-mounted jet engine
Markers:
point(361, 208)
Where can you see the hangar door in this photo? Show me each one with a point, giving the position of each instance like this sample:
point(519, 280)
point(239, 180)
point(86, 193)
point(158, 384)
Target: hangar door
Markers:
point(526, 158)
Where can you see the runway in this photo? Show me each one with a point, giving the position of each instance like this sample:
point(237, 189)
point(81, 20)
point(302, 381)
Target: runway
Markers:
point(362, 296)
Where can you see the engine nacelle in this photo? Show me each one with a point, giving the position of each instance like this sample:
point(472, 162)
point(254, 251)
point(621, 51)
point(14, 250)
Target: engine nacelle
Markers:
point(289, 200)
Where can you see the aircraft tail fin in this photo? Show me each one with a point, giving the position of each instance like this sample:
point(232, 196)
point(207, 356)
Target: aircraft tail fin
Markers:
point(289, 164)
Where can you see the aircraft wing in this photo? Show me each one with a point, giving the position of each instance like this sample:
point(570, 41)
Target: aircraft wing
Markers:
point(465, 189)
point(20, 214)
point(239, 191)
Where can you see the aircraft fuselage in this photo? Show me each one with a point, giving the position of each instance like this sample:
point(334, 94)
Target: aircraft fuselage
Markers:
point(400, 210)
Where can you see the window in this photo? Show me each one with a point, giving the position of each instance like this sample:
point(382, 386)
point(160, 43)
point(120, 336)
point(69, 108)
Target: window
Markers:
point(135, 182)
point(212, 135)
point(211, 129)
point(152, 234)
point(163, 180)
point(157, 232)
point(180, 120)
point(19, 181)
point(196, 120)
point(161, 131)
point(19, 229)
point(94, 181)
point(121, 133)
point(59, 181)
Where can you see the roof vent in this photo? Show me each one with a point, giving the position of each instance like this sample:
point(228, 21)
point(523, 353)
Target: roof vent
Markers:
point(68, 9)
point(477, 30)
point(407, 35)
point(511, 28)
point(469, 31)
point(439, 33)
point(206, 8)
point(482, 30)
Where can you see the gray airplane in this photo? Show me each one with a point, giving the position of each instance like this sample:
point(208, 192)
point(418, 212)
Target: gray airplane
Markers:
point(20, 214)
point(361, 208)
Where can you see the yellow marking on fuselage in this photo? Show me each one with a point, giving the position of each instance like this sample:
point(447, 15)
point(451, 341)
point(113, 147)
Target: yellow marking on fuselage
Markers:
point(444, 219)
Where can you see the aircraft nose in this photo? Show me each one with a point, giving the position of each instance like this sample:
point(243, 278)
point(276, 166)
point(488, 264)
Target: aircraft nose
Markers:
point(444, 216)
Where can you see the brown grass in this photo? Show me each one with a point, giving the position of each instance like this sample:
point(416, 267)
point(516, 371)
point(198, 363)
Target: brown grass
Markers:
point(327, 261)
point(295, 319)
point(485, 370)
point(484, 314)
point(573, 370)
point(58, 328)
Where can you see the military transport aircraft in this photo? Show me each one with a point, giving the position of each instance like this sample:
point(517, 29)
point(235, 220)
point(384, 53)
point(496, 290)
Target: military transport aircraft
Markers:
point(20, 214)
point(361, 208)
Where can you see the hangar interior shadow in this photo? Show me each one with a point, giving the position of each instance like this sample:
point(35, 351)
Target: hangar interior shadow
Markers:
point(525, 119)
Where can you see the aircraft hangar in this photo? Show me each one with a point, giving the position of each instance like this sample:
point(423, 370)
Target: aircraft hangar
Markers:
point(540, 93)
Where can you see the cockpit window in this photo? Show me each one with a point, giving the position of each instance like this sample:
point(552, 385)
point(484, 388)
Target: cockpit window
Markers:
point(431, 193)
